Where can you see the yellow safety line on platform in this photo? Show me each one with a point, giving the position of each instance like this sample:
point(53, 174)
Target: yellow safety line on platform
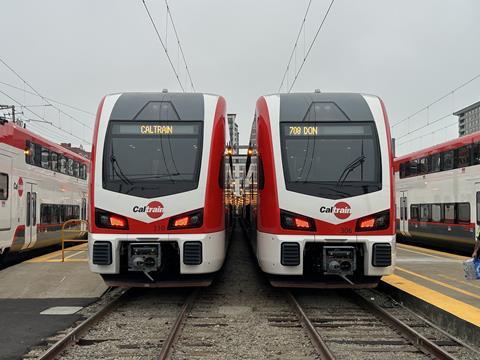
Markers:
point(448, 286)
point(425, 251)
point(75, 254)
point(453, 306)
point(47, 257)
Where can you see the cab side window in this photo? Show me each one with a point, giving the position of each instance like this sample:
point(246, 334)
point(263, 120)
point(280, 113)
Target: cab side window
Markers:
point(3, 186)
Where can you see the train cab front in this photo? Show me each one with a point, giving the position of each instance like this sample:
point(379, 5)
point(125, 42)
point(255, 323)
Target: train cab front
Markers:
point(157, 211)
point(332, 220)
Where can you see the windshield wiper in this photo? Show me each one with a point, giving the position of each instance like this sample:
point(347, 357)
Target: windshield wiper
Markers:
point(118, 170)
point(349, 168)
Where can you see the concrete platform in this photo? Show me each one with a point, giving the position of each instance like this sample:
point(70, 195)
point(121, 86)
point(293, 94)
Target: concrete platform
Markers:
point(48, 277)
point(42, 296)
point(433, 283)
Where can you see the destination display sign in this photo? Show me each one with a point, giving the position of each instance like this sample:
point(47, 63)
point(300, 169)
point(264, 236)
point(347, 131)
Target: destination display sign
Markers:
point(156, 128)
point(322, 129)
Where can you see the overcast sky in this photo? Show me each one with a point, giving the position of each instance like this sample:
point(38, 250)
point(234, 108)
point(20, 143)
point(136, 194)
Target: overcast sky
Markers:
point(408, 52)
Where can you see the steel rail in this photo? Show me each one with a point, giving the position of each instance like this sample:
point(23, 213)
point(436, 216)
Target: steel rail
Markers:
point(174, 334)
point(75, 334)
point(418, 340)
point(314, 336)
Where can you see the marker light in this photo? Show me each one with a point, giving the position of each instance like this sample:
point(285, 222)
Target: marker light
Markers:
point(301, 223)
point(229, 150)
point(181, 222)
point(378, 221)
point(293, 221)
point(117, 221)
point(26, 151)
point(193, 219)
point(250, 152)
point(367, 223)
point(105, 219)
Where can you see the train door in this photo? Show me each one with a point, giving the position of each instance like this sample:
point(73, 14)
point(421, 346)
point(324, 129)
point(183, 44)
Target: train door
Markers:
point(403, 213)
point(31, 213)
point(5, 196)
point(477, 209)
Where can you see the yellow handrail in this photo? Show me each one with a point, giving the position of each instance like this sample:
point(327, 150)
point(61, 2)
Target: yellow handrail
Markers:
point(83, 229)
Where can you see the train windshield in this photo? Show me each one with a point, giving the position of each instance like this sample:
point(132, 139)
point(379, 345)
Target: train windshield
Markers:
point(331, 160)
point(151, 159)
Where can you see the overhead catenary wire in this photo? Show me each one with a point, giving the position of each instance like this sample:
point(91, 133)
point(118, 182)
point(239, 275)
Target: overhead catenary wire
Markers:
point(311, 45)
point(42, 118)
point(163, 44)
point(43, 97)
point(424, 126)
point(49, 99)
point(302, 26)
point(437, 100)
point(430, 133)
point(180, 46)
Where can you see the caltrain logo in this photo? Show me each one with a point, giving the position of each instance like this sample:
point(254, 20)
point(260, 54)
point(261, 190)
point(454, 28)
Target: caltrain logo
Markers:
point(341, 210)
point(153, 210)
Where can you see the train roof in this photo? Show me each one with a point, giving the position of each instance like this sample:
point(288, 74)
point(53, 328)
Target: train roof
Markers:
point(17, 136)
point(324, 106)
point(445, 146)
point(141, 105)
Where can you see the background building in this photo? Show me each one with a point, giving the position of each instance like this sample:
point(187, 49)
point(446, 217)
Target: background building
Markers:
point(77, 150)
point(233, 128)
point(468, 119)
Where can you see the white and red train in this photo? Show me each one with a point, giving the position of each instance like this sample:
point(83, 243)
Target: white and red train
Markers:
point(158, 186)
point(319, 193)
point(42, 185)
point(438, 194)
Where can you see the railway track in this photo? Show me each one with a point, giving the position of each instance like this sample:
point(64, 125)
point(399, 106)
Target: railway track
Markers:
point(350, 325)
point(129, 325)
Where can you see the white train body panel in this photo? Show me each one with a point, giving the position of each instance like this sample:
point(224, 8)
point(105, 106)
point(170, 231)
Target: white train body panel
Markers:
point(25, 223)
point(329, 220)
point(205, 196)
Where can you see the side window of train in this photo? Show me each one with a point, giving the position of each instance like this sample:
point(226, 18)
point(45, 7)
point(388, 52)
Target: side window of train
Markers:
point(478, 208)
point(27, 222)
point(45, 159)
point(414, 212)
point(76, 169)
point(436, 163)
point(54, 161)
point(37, 159)
point(425, 212)
point(447, 160)
point(34, 208)
point(449, 213)
point(437, 213)
point(62, 164)
point(3, 186)
point(422, 166)
point(476, 153)
point(70, 167)
point(413, 167)
point(82, 172)
point(46, 213)
point(402, 170)
point(462, 157)
point(463, 213)
point(29, 152)
point(84, 209)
